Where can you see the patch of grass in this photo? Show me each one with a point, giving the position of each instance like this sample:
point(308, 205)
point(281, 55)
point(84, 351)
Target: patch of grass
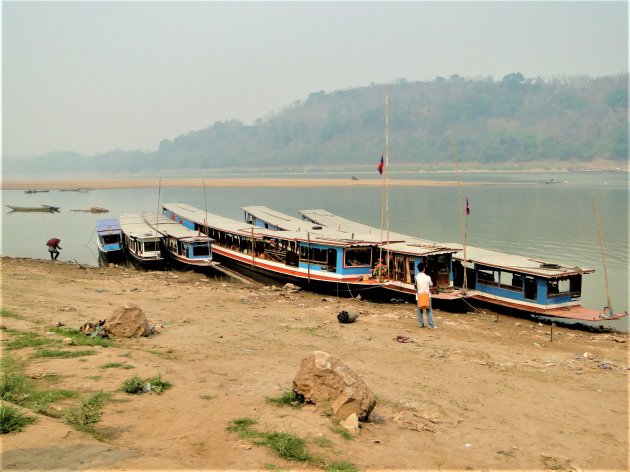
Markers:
point(117, 365)
point(14, 385)
point(89, 413)
point(158, 384)
point(342, 432)
point(62, 354)
point(39, 400)
point(136, 385)
point(207, 397)
point(11, 420)
point(27, 339)
point(81, 339)
point(286, 445)
point(133, 385)
point(10, 314)
point(287, 398)
point(168, 355)
point(243, 427)
point(322, 441)
point(342, 466)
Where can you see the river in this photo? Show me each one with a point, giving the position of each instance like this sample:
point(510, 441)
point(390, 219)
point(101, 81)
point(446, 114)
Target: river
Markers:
point(510, 212)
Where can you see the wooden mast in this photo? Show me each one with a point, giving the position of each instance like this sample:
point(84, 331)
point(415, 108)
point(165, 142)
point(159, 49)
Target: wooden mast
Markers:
point(463, 217)
point(385, 193)
point(157, 215)
point(608, 308)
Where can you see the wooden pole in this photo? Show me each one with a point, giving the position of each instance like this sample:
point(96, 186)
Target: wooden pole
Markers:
point(308, 257)
point(463, 220)
point(205, 200)
point(157, 215)
point(253, 244)
point(608, 307)
point(387, 171)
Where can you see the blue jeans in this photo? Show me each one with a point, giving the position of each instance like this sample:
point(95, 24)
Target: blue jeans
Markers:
point(429, 317)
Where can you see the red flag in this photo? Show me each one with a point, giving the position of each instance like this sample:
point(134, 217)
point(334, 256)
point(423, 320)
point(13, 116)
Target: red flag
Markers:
point(380, 165)
point(467, 207)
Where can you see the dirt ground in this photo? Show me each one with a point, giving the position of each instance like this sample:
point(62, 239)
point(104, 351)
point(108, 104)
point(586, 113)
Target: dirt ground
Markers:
point(478, 393)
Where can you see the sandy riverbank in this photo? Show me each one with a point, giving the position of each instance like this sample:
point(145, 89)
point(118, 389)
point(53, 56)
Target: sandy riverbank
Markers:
point(476, 394)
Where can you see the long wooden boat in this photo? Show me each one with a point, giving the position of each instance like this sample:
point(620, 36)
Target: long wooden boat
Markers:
point(181, 245)
point(109, 239)
point(42, 208)
point(317, 260)
point(398, 255)
point(141, 242)
point(34, 190)
point(525, 284)
point(507, 281)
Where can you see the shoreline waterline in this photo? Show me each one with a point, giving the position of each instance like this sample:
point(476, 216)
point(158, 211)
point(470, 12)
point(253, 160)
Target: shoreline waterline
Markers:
point(106, 184)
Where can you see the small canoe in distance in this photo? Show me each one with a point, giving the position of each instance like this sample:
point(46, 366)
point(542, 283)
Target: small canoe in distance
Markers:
point(42, 208)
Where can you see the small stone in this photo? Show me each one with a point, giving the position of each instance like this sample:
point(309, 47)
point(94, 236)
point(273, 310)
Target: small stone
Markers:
point(351, 423)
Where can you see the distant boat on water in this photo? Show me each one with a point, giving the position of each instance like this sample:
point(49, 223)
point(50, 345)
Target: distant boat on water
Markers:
point(42, 208)
point(32, 190)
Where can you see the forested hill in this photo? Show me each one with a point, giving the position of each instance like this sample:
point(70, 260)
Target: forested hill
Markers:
point(514, 119)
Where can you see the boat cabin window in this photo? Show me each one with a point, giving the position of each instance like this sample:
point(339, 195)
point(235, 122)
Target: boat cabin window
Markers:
point(151, 246)
point(357, 256)
point(317, 256)
point(511, 281)
point(201, 250)
point(111, 239)
point(488, 277)
point(567, 286)
point(443, 263)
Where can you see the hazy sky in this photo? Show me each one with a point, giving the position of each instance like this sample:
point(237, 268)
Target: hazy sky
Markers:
point(91, 77)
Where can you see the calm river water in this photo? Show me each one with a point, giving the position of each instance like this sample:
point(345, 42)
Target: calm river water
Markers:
point(511, 212)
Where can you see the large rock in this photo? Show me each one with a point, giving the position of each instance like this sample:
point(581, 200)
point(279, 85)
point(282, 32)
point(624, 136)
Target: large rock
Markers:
point(127, 321)
point(327, 382)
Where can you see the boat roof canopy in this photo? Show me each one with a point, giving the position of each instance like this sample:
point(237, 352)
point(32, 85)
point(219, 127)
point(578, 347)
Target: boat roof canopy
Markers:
point(397, 242)
point(168, 227)
point(134, 225)
point(108, 226)
point(518, 264)
point(325, 237)
point(280, 220)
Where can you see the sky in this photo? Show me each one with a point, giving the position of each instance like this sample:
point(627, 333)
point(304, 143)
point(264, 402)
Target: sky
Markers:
point(91, 77)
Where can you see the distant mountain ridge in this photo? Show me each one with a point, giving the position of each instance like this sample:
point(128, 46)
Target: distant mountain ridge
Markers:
point(515, 119)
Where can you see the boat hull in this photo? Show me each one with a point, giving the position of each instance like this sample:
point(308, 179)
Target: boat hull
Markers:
point(266, 274)
point(145, 263)
point(113, 257)
point(43, 208)
point(575, 312)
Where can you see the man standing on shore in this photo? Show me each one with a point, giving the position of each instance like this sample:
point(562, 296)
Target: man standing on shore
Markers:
point(53, 248)
point(423, 297)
